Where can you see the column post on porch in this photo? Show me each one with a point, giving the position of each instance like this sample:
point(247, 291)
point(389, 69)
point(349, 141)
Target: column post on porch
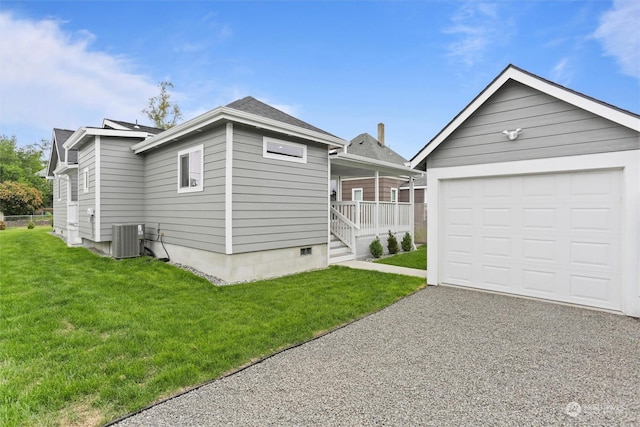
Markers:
point(412, 210)
point(339, 189)
point(377, 200)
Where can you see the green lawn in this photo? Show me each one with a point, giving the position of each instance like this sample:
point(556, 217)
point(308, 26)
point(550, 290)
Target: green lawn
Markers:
point(414, 259)
point(85, 339)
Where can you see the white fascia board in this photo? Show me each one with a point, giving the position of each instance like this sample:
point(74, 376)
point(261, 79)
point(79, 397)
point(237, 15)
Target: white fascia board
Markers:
point(558, 92)
point(79, 135)
point(64, 167)
point(346, 158)
point(222, 114)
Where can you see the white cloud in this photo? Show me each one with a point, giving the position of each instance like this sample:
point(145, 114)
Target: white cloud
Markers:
point(476, 26)
point(52, 78)
point(562, 72)
point(620, 37)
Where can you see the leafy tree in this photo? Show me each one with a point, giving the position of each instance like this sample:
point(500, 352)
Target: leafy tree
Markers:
point(161, 110)
point(18, 198)
point(22, 164)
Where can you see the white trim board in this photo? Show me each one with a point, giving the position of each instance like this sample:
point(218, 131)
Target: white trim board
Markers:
point(627, 161)
point(228, 190)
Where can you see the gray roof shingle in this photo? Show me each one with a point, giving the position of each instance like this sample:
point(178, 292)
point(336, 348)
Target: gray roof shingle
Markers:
point(367, 146)
point(60, 137)
point(251, 105)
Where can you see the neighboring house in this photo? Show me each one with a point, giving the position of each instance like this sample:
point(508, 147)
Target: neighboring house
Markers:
point(534, 190)
point(363, 188)
point(240, 192)
point(392, 188)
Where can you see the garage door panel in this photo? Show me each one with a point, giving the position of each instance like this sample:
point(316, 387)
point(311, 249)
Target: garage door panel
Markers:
point(593, 185)
point(539, 186)
point(591, 254)
point(495, 246)
point(538, 250)
point(459, 217)
point(592, 219)
point(553, 236)
point(496, 189)
point(540, 281)
point(460, 244)
point(494, 275)
point(460, 272)
point(537, 219)
point(593, 290)
point(496, 218)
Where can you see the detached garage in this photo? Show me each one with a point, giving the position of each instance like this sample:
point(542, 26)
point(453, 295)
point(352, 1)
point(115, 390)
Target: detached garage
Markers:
point(534, 190)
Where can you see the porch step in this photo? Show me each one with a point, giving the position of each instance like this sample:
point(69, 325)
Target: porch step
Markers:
point(338, 251)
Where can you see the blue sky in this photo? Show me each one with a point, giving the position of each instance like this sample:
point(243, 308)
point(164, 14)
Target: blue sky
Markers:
point(341, 66)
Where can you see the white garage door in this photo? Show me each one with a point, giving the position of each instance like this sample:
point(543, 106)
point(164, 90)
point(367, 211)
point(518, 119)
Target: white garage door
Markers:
point(552, 236)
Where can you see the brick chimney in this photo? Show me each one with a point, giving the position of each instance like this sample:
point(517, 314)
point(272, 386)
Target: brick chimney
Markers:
point(381, 133)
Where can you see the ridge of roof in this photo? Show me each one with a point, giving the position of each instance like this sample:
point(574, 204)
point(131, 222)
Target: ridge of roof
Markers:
point(366, 145)
point(249, 104)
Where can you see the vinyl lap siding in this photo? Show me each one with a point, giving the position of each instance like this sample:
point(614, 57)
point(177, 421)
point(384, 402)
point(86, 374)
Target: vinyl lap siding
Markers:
point(121, 185)
point(277, 204)
point(60, 207)
point(551, 128)
point(194, 220)
point(86, 158)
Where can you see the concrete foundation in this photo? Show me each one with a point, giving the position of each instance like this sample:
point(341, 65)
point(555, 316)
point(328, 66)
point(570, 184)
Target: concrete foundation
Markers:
point(245, 266)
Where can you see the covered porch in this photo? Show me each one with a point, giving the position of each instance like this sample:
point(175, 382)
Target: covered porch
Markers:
point(354, 224)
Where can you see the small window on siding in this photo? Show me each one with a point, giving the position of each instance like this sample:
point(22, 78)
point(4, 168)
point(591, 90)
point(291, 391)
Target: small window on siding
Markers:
point(284, 150)
point(394, 195)
point(85, 180)
point(59, 182)
point(190, 169)
point(356, 194)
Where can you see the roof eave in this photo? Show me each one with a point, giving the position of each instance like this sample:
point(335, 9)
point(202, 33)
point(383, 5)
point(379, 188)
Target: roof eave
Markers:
point(222, 114)
point(84, 133)
point(391, 167)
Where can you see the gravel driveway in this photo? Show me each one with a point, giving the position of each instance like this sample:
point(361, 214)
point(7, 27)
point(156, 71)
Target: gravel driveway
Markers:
point(443, 356)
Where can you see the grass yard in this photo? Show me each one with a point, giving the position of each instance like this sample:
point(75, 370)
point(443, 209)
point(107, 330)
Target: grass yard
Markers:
point(84, 339)
point(414, 259)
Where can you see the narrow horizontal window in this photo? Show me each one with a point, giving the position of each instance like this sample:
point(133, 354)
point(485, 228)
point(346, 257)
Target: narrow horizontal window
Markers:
point(190, 169)
point(284, 150)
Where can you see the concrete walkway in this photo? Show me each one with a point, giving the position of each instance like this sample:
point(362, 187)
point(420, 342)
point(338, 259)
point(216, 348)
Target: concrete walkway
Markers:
point(385, 268)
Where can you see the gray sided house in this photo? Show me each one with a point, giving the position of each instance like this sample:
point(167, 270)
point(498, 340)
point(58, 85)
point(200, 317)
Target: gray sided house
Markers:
point(534, 190)
point(240, 192)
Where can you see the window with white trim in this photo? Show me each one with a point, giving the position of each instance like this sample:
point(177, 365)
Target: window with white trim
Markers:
point(59, 182)
point(356, 194)
point(394, 195)
point(284, 150)
point(191, 169)
point(85, 180)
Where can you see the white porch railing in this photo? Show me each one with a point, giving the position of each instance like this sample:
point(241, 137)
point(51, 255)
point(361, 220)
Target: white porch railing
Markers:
point(343, 228)
point(369, 221)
